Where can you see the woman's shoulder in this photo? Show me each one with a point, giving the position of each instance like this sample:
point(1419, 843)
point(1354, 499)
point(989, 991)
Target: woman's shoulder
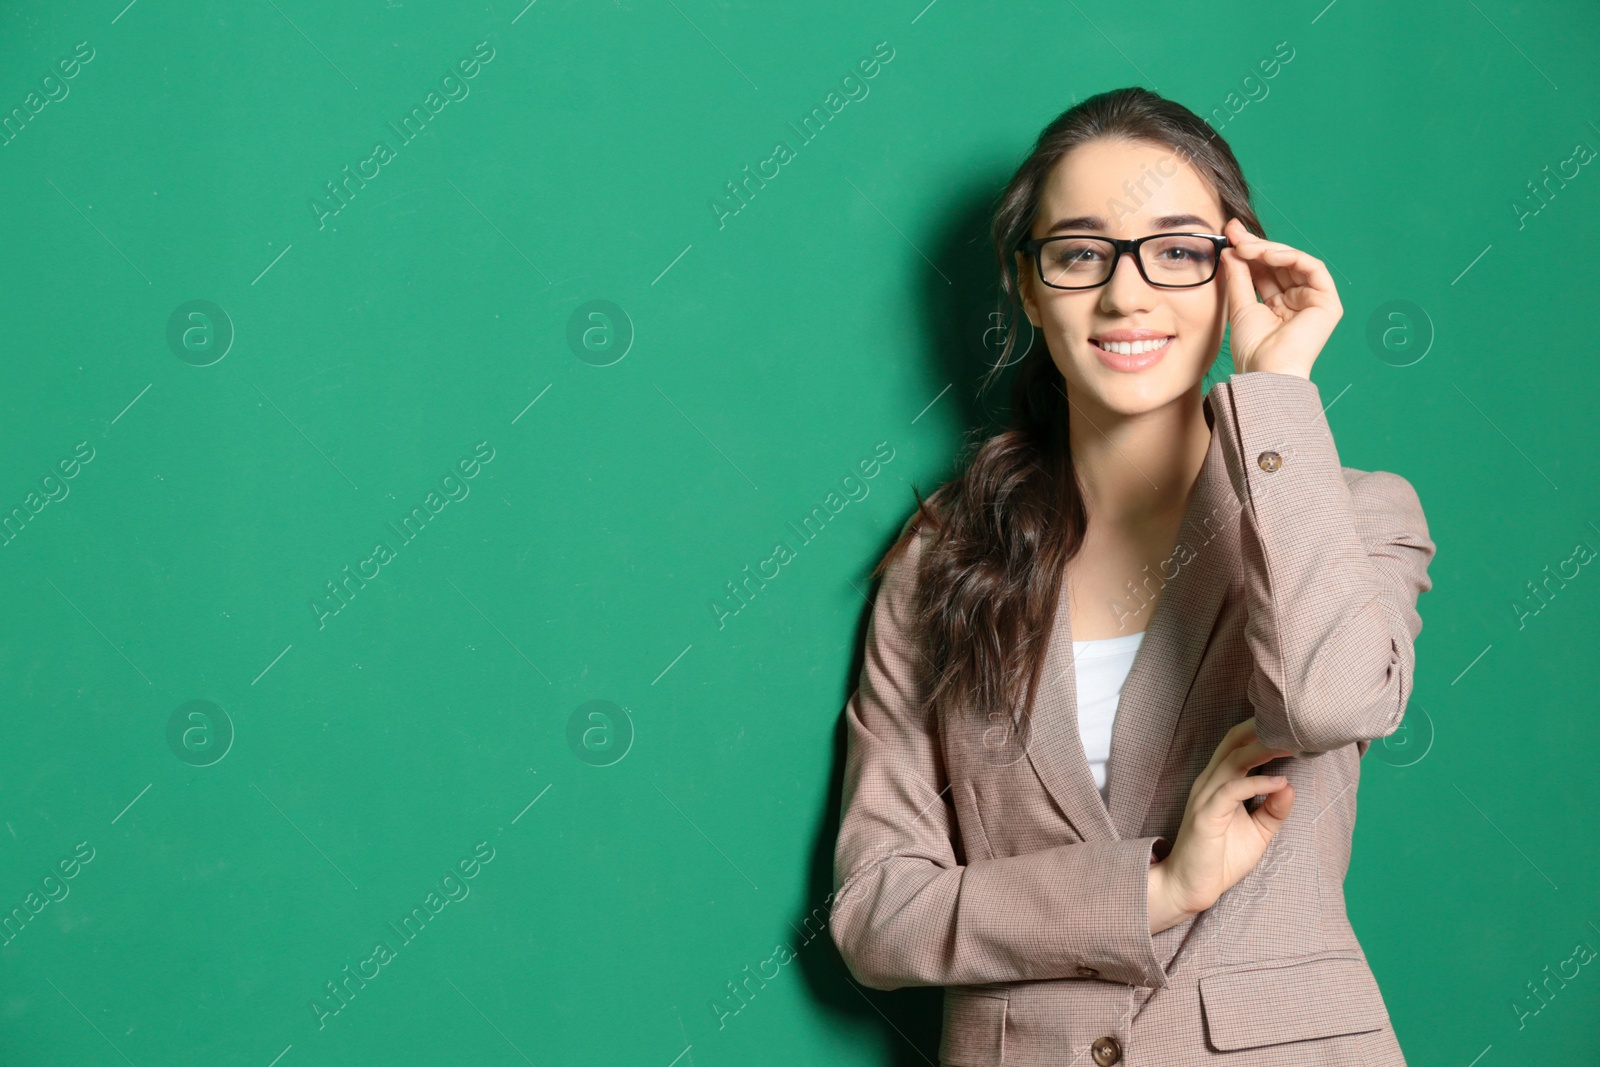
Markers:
point(908, 545)
point(901, 564)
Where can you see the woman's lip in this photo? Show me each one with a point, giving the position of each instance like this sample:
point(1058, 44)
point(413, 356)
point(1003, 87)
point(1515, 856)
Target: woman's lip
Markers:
point(1118, 362)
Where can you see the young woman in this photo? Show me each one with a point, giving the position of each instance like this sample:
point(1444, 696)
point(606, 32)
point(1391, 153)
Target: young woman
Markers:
point(1134, 614)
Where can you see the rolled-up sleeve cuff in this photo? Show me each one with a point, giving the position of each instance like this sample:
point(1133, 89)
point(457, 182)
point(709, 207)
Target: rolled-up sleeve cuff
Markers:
point(1277, 421)
point(1106, 923)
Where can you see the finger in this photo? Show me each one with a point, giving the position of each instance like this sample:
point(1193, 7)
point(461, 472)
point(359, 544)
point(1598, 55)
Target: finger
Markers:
point(1240, 761)
point(1241, 733)
point(1285, 261)
point(1242, 789)
point(1270, 815)
point(1275, 809)
point(1240, 282)
point(1293, 266)
point(1238, 233)
point(1246, 758)
point(1226, 798)
point(1297, 298)
point(1255, 245)
point(1285, 267)
point(1300, 297)
point(1264, 253)
point(1269, 283)
point(1281, 265)
point(1233, 768)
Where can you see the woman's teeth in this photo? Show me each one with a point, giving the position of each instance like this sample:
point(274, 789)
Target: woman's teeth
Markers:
point(1133, 348)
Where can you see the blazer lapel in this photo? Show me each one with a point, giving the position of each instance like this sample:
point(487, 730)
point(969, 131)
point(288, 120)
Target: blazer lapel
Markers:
point(1181, 628)
point(1055, 746)
point(1176, 635)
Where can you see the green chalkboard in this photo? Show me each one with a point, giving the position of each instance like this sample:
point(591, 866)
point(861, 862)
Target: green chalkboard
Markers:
point(445, 447)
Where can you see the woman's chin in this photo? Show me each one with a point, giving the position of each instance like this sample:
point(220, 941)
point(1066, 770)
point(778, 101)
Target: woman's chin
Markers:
point(1136, 394)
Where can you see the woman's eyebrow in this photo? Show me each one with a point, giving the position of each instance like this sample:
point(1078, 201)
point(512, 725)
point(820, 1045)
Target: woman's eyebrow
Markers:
point(1095, 222)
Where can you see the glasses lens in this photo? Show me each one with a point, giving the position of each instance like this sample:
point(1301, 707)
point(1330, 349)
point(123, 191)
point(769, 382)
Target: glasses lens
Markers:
point(1084, 262)
point(1074, 262)
point(1179, 260)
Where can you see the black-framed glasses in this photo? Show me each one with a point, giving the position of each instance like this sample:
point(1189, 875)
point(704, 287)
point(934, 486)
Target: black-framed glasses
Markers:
point(1087, 261)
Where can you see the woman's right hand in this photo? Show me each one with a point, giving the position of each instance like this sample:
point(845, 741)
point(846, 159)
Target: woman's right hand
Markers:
point(1219, 842)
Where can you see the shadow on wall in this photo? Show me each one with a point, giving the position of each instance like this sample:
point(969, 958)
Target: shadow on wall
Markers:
point(960, 339)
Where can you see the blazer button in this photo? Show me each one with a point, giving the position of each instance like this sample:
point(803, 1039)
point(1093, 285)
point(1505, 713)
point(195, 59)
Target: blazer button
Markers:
point(1088, 972)
point(1269, 461)
point(1106, 1051)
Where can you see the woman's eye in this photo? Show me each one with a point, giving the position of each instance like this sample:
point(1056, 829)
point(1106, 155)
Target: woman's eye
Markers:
point(1078, 254)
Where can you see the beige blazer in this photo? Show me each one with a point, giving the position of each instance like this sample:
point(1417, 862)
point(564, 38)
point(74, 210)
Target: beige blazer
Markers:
point(970, 861)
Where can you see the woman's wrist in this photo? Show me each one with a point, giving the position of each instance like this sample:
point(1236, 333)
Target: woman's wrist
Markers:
point(1165, 911)
point(1295, 371)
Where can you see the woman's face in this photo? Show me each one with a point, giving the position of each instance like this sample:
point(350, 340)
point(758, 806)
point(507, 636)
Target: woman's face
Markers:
point(1119, 188)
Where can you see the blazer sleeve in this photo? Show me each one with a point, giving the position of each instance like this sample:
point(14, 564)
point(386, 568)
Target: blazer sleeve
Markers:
point(1332, 570)
point(904, 912)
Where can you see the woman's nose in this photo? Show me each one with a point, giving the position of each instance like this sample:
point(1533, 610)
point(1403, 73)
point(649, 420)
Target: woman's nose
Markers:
point(1127, 290)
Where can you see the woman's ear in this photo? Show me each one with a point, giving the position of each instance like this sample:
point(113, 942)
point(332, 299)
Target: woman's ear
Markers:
point(1025, 290)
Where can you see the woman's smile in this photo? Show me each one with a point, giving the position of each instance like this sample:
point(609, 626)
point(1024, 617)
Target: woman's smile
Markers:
point(1130, 350)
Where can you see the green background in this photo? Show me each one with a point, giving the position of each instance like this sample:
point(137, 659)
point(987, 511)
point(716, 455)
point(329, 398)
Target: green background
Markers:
point(645, 454)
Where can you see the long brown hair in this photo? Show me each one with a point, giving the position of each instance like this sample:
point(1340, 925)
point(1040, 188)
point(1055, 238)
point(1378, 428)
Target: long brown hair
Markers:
point(1002, 532)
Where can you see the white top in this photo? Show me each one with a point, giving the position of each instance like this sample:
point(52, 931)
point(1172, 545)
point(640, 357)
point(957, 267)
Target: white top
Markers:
point(1101, 667)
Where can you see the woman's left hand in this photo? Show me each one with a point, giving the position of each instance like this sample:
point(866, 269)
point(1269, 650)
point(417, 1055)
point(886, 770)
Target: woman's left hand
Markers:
point(1299, 307)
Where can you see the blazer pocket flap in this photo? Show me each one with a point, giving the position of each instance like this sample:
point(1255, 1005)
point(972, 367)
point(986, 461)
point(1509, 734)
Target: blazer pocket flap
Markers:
point(974, 1027)
point(1265, 1005)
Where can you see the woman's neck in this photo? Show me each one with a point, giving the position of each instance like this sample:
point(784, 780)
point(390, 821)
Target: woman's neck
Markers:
point(1139, 470)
